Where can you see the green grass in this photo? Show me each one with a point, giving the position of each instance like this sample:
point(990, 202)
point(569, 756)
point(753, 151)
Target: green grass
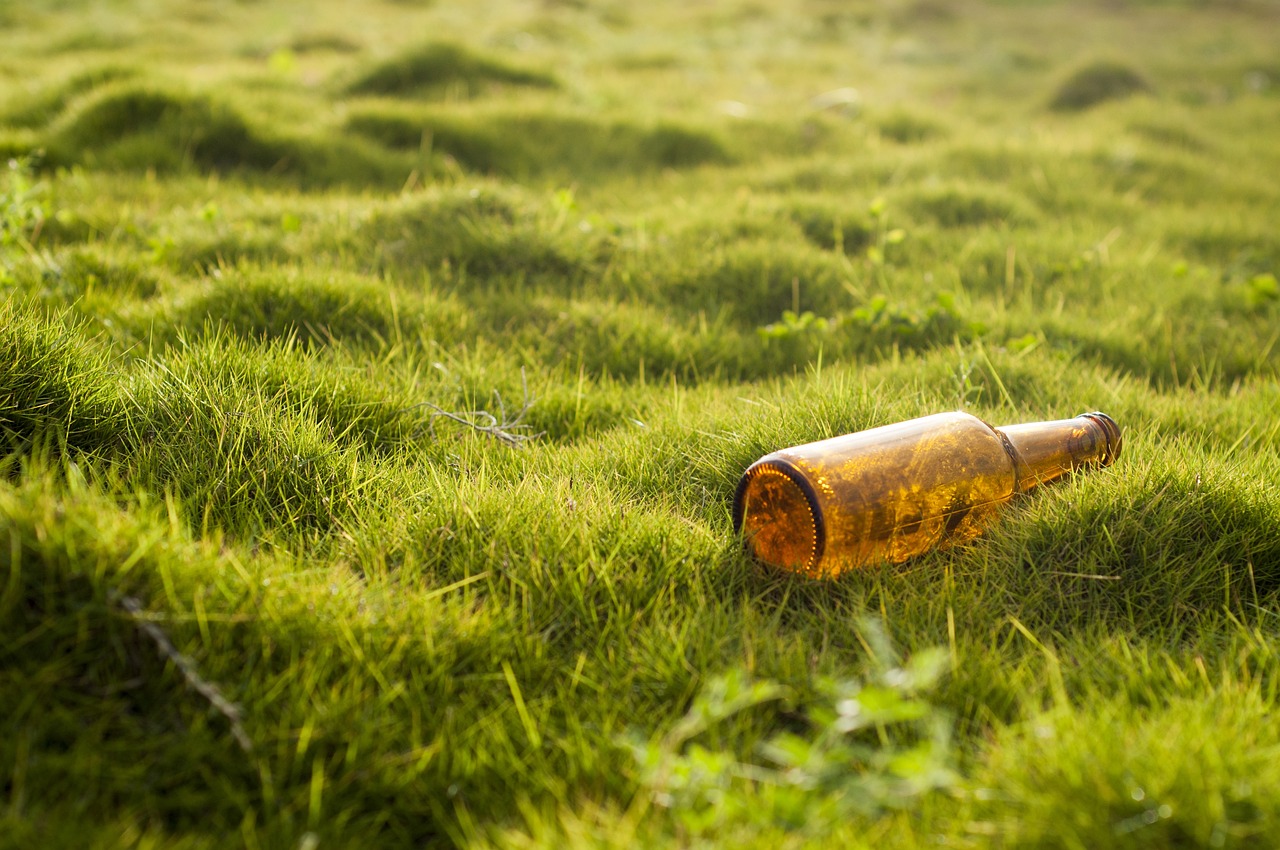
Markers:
point(373, 390)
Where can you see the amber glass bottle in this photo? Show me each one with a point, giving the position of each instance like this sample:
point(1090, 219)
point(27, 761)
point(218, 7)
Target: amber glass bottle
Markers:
point(893, 492)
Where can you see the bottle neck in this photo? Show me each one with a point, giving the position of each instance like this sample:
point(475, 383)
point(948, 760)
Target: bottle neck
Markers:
point(1043, 451)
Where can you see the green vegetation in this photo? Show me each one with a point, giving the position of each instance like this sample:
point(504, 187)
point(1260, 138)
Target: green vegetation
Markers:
point(448, 67)
point(373, 389)
point(1095, 83)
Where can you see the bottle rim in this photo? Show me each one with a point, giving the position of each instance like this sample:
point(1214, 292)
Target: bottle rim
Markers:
point(776, 466)
point(1110, 434)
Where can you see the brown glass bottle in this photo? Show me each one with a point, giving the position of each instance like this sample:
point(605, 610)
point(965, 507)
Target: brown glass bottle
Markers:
point(893, 492)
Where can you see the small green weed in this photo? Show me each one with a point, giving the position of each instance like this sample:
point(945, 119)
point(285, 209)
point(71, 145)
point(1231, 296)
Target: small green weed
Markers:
point(1263, 289)
point(881, 323)
point(863, 748)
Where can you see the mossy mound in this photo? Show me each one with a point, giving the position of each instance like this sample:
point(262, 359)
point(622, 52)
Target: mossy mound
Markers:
point(620, 339)
point(268, 305)
point(82, 270)
point(323, 42)
point(274, 470)
point(282, 305)
point(40, 108)
point(474, 235)
point(830, 224)
point(824, 223)
point(441, 66)
point(961, 205)
point(1181, 518)
point(1097, 83)
point(1170, 132)
point(141, 126)
point(319, 384)
point(751, 283)
point(908, 127)
point(524, 144)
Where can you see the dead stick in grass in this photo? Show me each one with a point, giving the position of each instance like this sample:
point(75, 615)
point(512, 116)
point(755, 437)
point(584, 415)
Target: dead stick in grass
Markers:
point(483, 422)
point(187, 668)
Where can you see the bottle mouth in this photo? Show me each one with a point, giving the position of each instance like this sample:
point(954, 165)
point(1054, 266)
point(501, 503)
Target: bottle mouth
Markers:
point(1110, 434)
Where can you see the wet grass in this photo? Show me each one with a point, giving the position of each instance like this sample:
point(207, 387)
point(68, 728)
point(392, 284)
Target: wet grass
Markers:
point(373, 394)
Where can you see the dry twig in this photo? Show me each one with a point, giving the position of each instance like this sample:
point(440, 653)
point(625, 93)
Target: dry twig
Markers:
point(187, 668)
point(513, 431)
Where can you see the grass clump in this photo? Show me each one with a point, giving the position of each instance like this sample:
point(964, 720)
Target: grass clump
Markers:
point(909, 127)
point(274, 476)
point(1213, 534)
point(481, 233)
point(51, 383)
point(144, 127)
point(70, 562)
point(39, 109)
point(439, 67)
point(148, 128)
point(835, 226)
point(968, 206)
point(1097, 83)
point(520, 144)
point(271, 307)
point(752, 283)
point(1150, 788)
point(83, 271)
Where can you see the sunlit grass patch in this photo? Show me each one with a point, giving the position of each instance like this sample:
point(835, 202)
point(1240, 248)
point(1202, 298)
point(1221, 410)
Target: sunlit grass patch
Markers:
point(482, 232)
point(40, 108)
point(54, 383)
point(314, 308)
point(1119, 776)
point(143, 127)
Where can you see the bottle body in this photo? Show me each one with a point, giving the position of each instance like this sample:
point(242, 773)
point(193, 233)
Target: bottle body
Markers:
point(896, 491)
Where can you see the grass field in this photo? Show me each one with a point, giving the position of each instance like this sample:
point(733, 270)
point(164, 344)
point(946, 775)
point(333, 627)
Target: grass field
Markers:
point(375, 379)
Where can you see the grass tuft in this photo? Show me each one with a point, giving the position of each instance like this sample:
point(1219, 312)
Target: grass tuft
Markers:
point(523, 144)
point(439, 67)
point(52, 383)
point(1097, 83)
point(968, 206)
point(1130, 780)
point(483, 232)
point(39, 109)
point(144, 127)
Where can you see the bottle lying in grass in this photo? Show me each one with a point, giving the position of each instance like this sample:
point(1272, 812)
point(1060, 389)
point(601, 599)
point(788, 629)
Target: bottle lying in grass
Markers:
point(893, 492)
